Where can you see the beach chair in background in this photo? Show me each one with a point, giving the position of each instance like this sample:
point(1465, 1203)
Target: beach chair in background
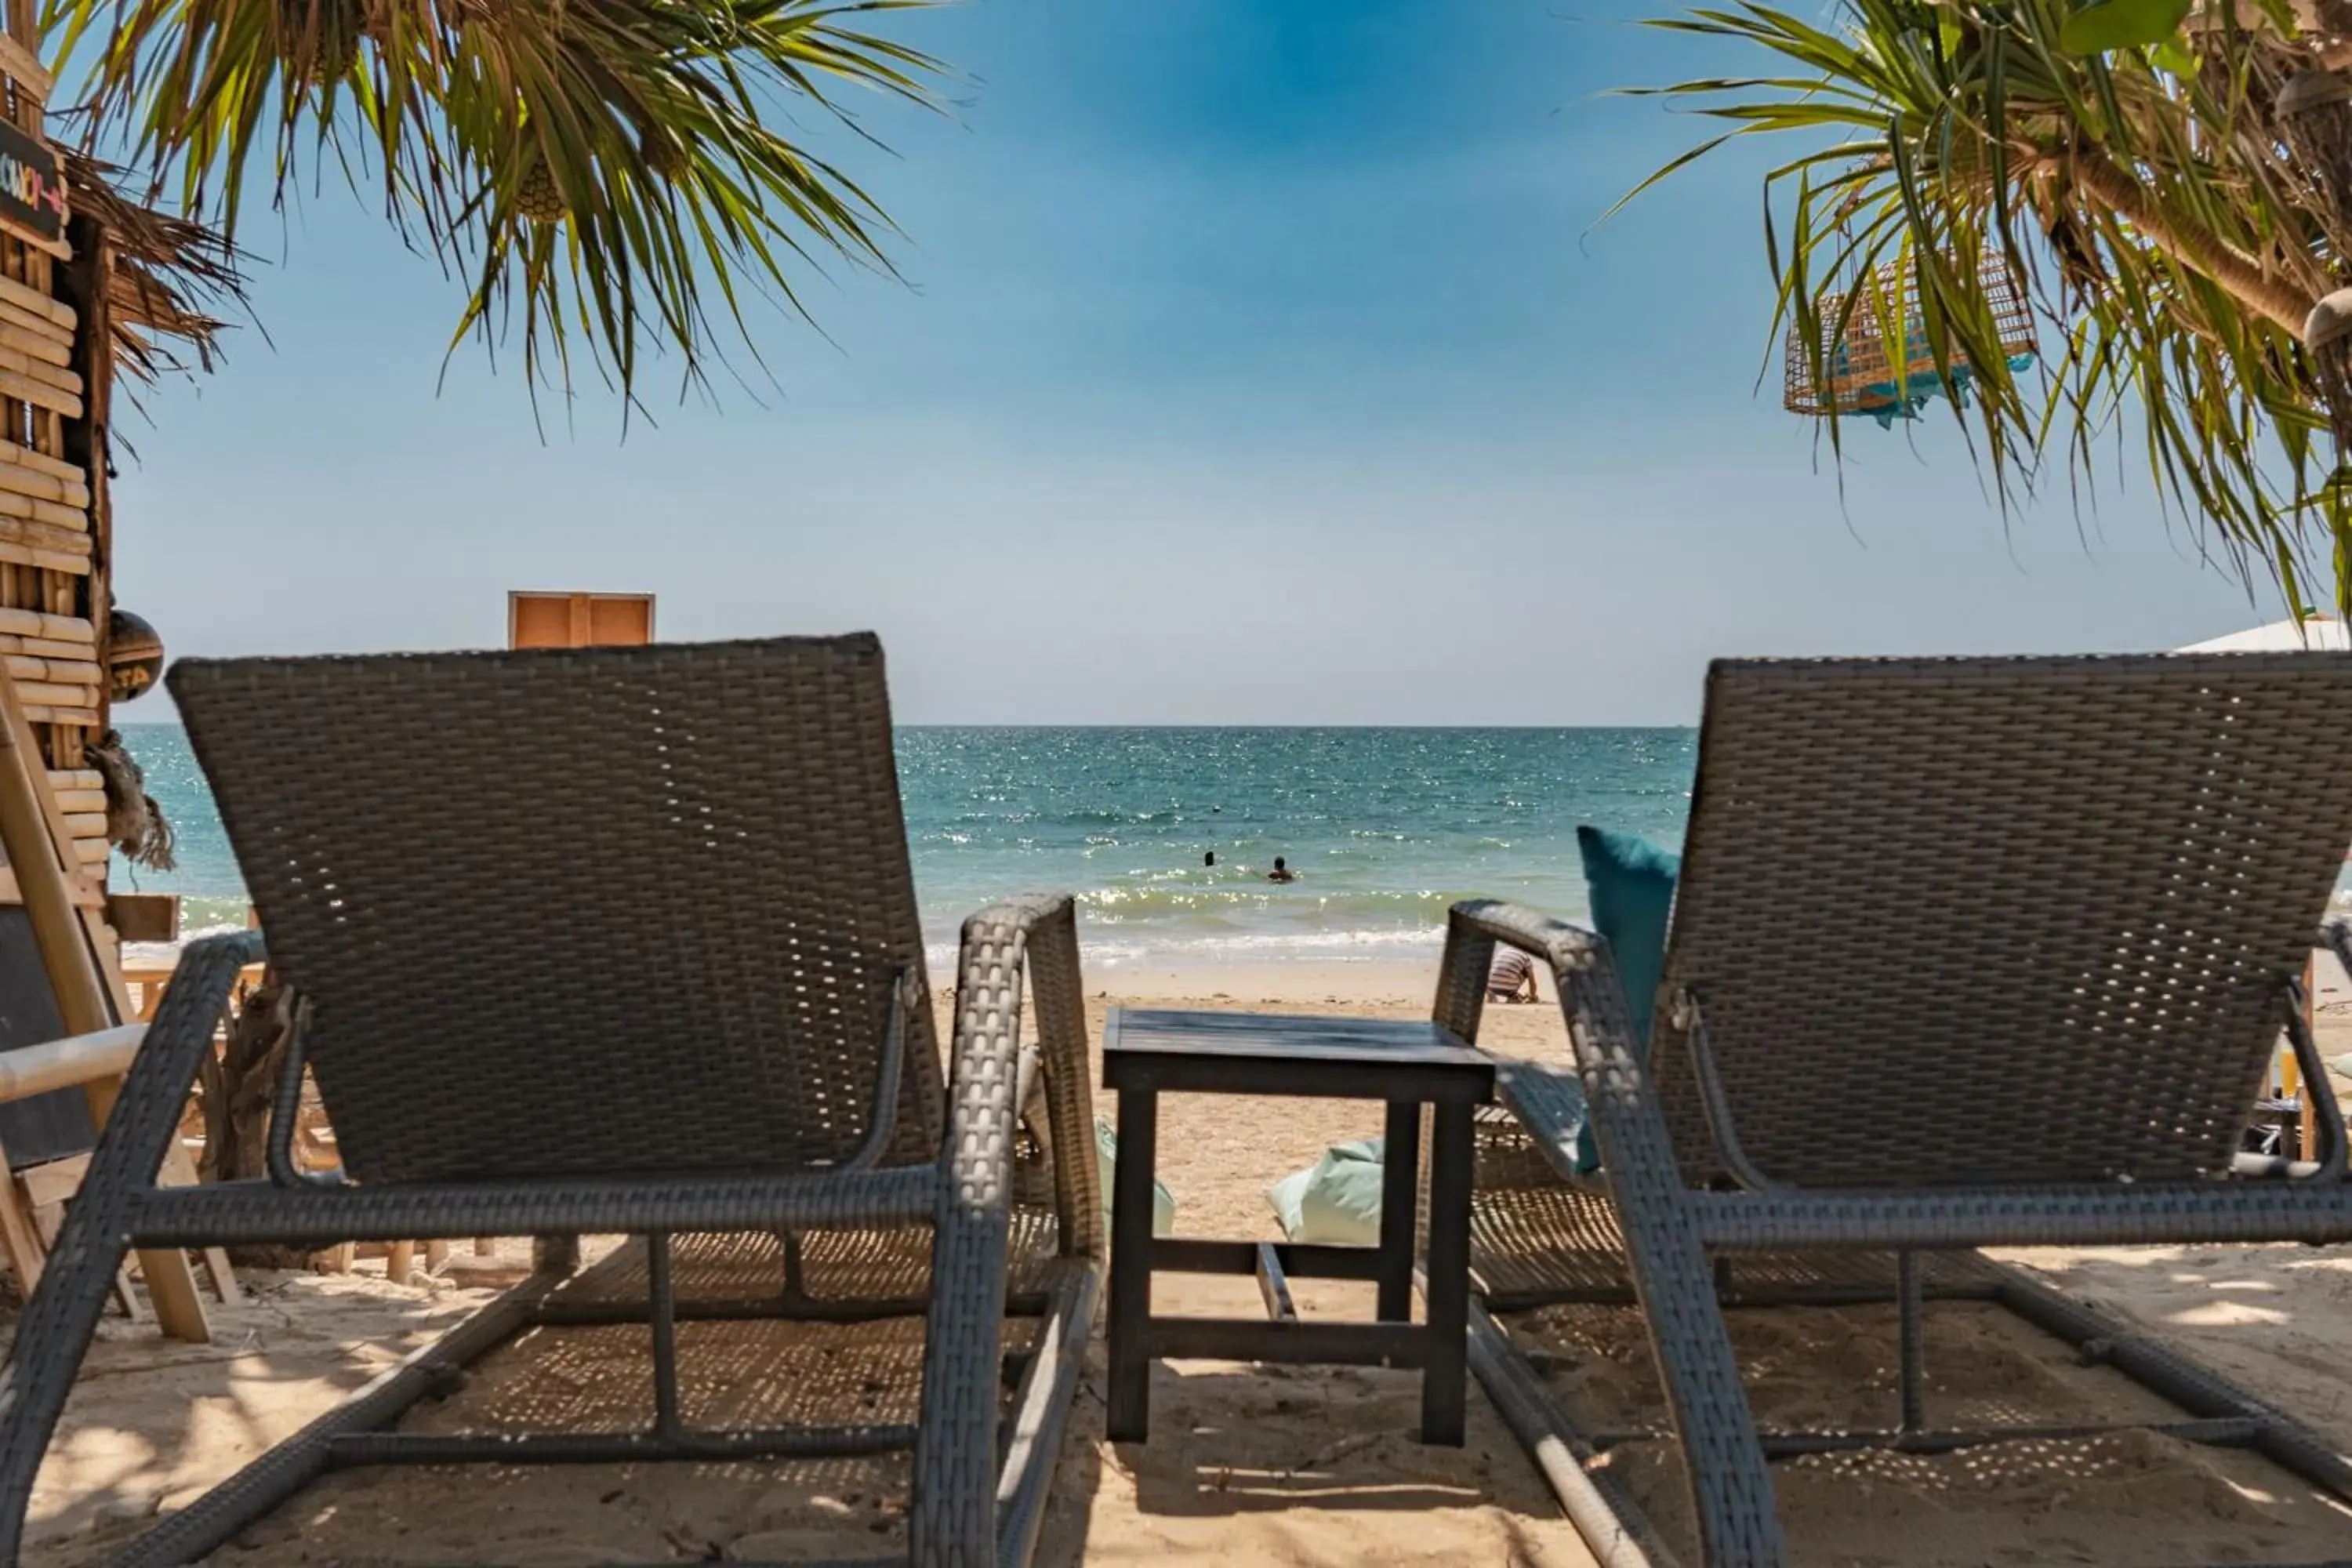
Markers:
point(507, 888)
point(1963, 954)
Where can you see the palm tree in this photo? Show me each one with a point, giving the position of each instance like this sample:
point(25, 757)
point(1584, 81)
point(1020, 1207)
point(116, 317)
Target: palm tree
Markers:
point(613, 176)
point(2170, 190)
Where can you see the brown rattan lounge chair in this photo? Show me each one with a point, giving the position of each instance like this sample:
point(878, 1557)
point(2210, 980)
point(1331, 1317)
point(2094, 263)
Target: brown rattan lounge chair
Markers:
point(1964, 953)
point(509, 889)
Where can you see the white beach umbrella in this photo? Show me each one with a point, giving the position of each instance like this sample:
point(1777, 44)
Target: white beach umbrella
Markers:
point(2280, 637)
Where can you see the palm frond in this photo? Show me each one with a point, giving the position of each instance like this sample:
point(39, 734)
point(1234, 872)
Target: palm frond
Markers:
point(174, 281)
point(2169, 246)
point(608, 175)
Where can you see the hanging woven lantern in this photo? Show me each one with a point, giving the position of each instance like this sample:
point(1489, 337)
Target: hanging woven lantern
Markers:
point(1861, 374)
point(320, 39)
point(538, 197)
point(2314, 119)
point(2328, 347)
point(135, 656)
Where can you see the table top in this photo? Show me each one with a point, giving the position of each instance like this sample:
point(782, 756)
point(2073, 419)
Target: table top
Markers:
point(1289, 1038)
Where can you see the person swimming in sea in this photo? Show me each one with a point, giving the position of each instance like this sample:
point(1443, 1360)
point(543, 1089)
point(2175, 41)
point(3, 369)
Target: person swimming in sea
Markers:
point(1281, 873)
point(1210, 858)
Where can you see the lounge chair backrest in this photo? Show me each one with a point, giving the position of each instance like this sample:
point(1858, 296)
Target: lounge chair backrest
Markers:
point(2001, 920)
point(591, 912)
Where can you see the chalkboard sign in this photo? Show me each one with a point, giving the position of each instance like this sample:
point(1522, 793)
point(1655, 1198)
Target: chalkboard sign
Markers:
point(48, 1126)
point(32, 190)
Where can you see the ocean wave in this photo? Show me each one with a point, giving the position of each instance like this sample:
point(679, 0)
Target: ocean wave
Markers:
point(1291, 905)
point(1242, 949)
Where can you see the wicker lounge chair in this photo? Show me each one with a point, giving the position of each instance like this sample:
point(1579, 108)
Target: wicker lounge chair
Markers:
point(1965, 952)
point(509, 889)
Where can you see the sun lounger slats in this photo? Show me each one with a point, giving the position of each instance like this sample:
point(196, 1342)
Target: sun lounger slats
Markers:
point(2003, 919)
point(529, 810)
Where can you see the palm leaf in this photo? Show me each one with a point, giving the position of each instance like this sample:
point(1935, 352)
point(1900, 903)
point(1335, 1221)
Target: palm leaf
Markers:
point(2168, 247)
point(607, 174)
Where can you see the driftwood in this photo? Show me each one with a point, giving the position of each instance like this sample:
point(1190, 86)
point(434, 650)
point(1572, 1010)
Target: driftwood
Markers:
point(235, 1088)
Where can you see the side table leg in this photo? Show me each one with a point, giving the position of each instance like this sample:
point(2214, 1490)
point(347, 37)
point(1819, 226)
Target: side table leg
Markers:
point(1400, 1205)
point(1128, 1418)
point(1444, 1385)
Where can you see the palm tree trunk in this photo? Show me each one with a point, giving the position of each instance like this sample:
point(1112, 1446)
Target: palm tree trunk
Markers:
point(2245, 278)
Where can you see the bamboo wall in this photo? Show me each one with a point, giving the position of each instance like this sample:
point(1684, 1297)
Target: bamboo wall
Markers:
point(54, 533)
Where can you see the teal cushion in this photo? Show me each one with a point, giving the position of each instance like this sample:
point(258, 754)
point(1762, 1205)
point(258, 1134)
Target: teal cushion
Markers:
point(1338, 1201)
point(1631, 882)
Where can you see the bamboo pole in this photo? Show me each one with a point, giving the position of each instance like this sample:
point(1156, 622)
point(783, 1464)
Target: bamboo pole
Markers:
point(47, 514)
point(40, 394)
point(69, 1063)
point(74, 564)
point(33, 302)
point(37, 370)
point(37, 331)
point(46, 713)
point(53, 628)
point(17, 526)
point(47, 347)
point(18, 1233)
point(22, 457)
point(70, 672)
point(21, 480)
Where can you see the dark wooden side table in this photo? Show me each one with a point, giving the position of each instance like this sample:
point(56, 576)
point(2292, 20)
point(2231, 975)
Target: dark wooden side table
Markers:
point(1408, 1065)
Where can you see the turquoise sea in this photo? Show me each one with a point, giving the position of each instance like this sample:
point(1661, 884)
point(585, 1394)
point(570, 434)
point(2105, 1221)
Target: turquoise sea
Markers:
point(1385, 828)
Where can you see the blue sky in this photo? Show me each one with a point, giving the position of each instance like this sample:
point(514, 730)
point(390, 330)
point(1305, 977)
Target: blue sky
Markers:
point(1259, 362)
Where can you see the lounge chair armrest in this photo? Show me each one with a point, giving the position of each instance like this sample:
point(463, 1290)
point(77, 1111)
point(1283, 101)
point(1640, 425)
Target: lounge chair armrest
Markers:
point(1627, 1120)
point(1035, 936)
point(1656, 1210)
point(1581, 963)
point(201, 983)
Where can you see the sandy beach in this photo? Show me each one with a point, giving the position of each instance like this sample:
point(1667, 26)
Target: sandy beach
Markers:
point(1281, 1465)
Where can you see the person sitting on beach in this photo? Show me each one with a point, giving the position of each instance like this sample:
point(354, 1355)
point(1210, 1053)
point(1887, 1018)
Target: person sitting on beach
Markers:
point(1281, 873)
point(1512, 978)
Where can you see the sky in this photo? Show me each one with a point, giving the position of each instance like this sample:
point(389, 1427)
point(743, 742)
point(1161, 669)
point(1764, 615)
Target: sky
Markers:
point(1256, 361)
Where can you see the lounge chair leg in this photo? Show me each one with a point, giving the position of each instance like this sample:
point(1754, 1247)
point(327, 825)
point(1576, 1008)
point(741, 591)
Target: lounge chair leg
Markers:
point(51, 1340)
point(664, 1326)
point(795, 1270)
point(1910, 1330)
point(1400, 1196)
point(555, 1254)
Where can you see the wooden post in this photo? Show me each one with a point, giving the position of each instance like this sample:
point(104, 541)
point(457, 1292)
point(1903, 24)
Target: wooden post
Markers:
point(71, 964)
point(2308, 1133)
point(22, 1243)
